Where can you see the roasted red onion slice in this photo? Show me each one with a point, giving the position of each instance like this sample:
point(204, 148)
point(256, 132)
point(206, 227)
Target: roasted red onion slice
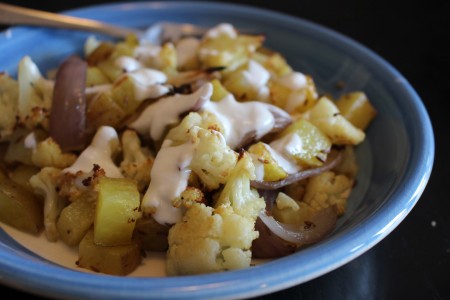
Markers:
point(333, 159)
point(68, 111)
point(278, 239)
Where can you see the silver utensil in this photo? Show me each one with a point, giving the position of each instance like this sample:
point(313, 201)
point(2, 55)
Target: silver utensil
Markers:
point(155, 34)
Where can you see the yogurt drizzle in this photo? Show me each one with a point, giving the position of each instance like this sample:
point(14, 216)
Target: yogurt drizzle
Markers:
point(104, 144)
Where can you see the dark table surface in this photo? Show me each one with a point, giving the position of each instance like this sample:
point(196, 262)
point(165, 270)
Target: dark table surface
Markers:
point(413, 262)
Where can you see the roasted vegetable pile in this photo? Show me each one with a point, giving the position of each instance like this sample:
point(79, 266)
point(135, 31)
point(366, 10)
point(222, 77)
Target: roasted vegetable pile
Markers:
point(212, 149)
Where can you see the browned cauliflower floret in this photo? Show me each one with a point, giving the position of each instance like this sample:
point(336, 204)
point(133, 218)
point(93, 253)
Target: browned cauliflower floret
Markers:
point(44, 183)
point(213, 159)
point(219, 238)
point(35, 95)
point(9, 93)
point(137, 161)
point(189, 196)
point(80, 185)
point(48, 154)
point(210, 240)
point(327, 189)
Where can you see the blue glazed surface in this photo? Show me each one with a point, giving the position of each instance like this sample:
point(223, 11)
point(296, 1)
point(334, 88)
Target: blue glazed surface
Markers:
point(395, 159)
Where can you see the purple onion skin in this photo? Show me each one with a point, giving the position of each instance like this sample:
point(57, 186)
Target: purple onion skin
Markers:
point(67, 124)
point(270, 245)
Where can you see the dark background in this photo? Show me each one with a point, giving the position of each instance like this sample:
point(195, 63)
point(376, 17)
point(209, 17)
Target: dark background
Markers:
point(413, 262)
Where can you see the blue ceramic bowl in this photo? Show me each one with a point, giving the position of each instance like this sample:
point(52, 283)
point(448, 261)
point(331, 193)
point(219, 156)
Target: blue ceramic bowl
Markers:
point(395, 159)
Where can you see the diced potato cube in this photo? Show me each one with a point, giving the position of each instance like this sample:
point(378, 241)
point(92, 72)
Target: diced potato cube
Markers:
point(115, 260)
point(17, 152)
point(272, 61)
point(272, 171)
point(103, 110)
point(151, 234)
point(168, 58)
point(22, 174)
point(314, 145)
point(19, 207)
point(75, 220)
point(290, 98)
point(102, 52)
point(248, 82)
point(117, 211)
point(110, 69)
point(357, 108)
point(327, 117)
point(123, 94)
point(95, 76)
point(219, 91)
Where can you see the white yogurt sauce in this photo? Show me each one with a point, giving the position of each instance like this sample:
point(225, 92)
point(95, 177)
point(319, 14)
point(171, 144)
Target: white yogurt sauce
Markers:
point(257, 76)
point(30, 141)
point(241, 119)
point(97, 89)
point(169, 178)
point(281, 151)
point(100, 151)
point(127, 63)
point(148, 55)
point(148, 83)
point(296, 82)
point(157, 116)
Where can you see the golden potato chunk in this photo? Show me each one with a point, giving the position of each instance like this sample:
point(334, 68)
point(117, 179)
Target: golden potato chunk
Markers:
point(115, 260)
point(357, 108)
point(272, 171)
point(313, 146)
point(151, 234)
point(117, 211)
point(75, 220)
point(19, 207)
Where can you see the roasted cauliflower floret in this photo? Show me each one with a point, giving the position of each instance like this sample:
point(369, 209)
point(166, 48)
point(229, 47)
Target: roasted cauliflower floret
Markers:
point(82, 185)
point(35, 95)
point(190, 196)
point(238, 193)
point(213, 159)
point(45, 184)
point(49, 154)
point(327, 189)
point(137, 161)
point(211, 239)
point(9, 93)
point(181, 133)
point(327, 117)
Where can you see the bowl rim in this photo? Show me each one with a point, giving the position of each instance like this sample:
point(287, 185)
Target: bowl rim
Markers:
point(41, 276)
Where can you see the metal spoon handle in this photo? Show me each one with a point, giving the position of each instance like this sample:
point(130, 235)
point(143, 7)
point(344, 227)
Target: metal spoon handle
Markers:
point(14, 15)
